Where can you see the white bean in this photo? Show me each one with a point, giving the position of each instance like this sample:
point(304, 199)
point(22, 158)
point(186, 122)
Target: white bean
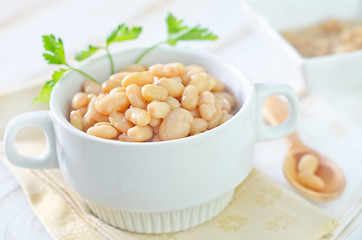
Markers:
point(151, 92)
point(80, 100)
point(222, 102)
point(198, 125)
point(124, 138)
point(120, 122)
point(168, 70)
point(228, 97)
point(176, 124)
point(110, 84)
point(207, 105)
point(76, 119)
point(113, 103)
point(199, 80)
point(103, 131)
point(140, 134)
point(158, 109)
point(91, 87)
point(190, 98)
point(117, 90)
point(155, 122)
point(225, 116)
point(135, 97)
point(308, 163)
point(310, 180)
point(191, 70)
point(215, 120)
point(219, 86)
point(174, 88)
point(138, 78)
point(138, 116)
point(173, 102)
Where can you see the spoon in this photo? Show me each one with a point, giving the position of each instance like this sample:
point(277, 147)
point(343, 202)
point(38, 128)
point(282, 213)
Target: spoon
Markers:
point(276, 112)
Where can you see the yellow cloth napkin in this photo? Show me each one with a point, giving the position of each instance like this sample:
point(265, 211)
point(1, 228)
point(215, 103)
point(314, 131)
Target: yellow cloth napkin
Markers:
point(260, 209)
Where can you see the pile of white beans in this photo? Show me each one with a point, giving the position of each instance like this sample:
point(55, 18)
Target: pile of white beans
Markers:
point(159, 103)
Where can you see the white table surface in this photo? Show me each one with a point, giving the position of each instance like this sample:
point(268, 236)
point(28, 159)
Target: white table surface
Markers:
point(23, 22)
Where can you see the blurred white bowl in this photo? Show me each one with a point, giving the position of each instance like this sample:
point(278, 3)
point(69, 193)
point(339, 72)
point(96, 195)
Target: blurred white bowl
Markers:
point(329, 75)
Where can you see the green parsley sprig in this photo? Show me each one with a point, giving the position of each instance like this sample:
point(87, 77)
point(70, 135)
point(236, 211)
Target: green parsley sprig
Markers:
point(179, 32)
point(54, 48)
point(44, 95)
point(121, 33)
point(54, 54)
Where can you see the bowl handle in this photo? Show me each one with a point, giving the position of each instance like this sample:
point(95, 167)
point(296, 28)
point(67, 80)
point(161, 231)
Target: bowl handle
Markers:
point(46, 159)
point(265, 90)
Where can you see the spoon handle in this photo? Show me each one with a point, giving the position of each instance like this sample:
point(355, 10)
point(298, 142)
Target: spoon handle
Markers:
point(276, 112)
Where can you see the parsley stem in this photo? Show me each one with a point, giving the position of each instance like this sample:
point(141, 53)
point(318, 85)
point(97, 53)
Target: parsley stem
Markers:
point(83, 73)
point(110, 60)
point(147, 51)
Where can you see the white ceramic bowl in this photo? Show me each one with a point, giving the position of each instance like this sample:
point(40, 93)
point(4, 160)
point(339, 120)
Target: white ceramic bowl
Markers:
point(154, 187)
point(330, 75)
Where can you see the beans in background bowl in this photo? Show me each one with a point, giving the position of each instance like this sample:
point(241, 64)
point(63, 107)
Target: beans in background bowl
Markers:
point(329, 37)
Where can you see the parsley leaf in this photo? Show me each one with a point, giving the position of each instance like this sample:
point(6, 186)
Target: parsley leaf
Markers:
point(54, 54)
point(84, 54)
point(123, 33)
point(44, 95)
point(54, 50)
point(177, 31)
